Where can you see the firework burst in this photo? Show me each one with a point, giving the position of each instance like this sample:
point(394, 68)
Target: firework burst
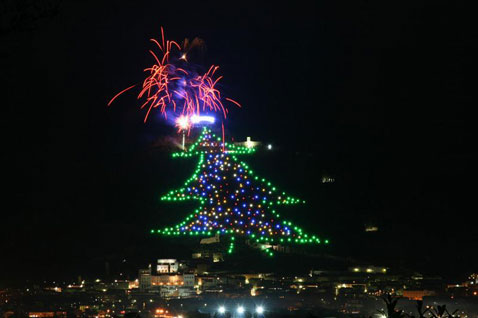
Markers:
point(173, 85)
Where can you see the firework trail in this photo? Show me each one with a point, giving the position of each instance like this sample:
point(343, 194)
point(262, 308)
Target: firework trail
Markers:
point(172, 84)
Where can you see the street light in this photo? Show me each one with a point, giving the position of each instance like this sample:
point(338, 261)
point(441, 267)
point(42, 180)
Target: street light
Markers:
point(260, 310)
point(240, 310)
point(222, 310)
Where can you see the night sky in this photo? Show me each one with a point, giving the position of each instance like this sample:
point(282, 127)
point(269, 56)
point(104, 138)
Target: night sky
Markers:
point(378, 95)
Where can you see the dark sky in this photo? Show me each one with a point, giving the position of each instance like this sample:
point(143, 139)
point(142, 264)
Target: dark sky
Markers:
point(377, 94)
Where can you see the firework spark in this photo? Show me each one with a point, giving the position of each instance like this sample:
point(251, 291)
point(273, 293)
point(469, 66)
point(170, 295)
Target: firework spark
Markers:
point(172, 84)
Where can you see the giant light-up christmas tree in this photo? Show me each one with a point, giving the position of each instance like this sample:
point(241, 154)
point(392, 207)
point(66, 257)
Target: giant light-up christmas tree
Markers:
point(233, 200)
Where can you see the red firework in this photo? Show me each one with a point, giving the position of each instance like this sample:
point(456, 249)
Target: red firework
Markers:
point(170, 85)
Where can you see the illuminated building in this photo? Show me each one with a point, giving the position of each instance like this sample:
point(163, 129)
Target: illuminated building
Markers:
point(186, 280)
point(167, 266)
point(350, 289)
point(248, 143)
point(47, 314)
point(168, 282)
point(210, 249)
point(205, 254)
point(371, 228)
point(211, 240)
point(144, 278)
point(121, 284)
point(327, 179)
